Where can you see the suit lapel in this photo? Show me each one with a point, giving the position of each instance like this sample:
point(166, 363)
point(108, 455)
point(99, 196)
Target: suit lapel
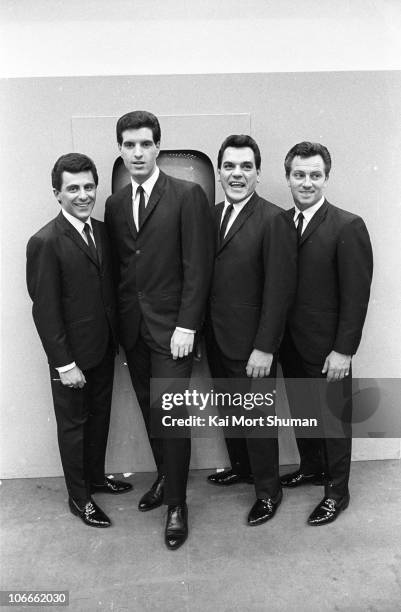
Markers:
point(72, 233)
point(217, 218)
point(98, 240)
point(240, 220)
point(316, 220)
point(128, 209)
point(155, 196)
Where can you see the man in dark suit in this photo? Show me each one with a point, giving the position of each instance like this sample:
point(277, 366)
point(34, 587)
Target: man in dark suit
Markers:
point(324, 326)
point(252, 288)
point(70, 282)
point(162, 241)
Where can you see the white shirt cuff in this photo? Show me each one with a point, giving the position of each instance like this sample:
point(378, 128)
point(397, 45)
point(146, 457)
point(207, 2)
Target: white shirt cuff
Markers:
point(187, 331)
point(66, 368)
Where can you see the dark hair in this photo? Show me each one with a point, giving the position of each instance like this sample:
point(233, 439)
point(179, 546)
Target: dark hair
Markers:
point(74, 163)
point(238, 141)
point(307, 149)
point(134, 121)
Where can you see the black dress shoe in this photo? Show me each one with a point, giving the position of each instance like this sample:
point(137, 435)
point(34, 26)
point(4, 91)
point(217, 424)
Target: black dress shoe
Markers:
point(328, 510)
point(298, 478)
point(176, 526)
point(263, 510)
point(154, 497)
point(91, 514)
point(228, 477)
point(110, 485)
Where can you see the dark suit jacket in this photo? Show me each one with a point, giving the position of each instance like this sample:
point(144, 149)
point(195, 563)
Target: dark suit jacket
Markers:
point(73, 302)
point(163, 271)
point(335, 267)
point(254, 279)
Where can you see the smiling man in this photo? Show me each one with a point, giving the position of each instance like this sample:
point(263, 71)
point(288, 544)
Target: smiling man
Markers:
point(252, 288)
point(70, 282)
point(325, 324)
point(161, 234)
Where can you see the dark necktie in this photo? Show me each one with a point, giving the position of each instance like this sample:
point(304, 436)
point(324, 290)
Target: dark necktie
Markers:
point(300, 226)
point(141, 207)
point(226, 219)
point(91, 244)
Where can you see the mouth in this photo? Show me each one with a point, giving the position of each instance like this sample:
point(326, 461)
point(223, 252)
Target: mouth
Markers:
point(237, 185)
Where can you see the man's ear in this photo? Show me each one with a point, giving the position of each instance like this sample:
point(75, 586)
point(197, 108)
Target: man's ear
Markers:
point(218, 175)
point(57, 195)
point(258, 175)
point(158, 148)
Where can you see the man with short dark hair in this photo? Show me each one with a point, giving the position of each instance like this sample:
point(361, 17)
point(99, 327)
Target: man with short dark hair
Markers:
point(252, 287)
point(162, 241)
point(69, 279)
point(325, 324)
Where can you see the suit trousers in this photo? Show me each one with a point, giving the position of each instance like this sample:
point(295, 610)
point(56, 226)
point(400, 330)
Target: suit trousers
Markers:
point(248, 455)
point(172, 455)
point(83, 418)
point(331, 404)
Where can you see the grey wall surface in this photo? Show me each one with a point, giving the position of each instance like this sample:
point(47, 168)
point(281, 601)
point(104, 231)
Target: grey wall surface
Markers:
point(357, 115)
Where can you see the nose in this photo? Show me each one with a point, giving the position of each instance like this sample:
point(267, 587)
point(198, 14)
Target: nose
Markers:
point(82, 194)
point(237, 171)
point(138, 151)
point(307, 181)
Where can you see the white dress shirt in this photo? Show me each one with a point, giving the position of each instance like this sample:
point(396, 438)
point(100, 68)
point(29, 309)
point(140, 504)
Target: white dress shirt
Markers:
point(308, 213)
point(237, 207)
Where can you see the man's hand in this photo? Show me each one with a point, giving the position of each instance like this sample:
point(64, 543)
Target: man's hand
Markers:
point(259, 364)
point(181, 343)
point(73, 378)
point(337, 366)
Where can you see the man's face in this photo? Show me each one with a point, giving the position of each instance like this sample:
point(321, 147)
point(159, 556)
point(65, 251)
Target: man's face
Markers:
point(77, 195)
point(139, 153)
point(238, 174)
point(307, 180)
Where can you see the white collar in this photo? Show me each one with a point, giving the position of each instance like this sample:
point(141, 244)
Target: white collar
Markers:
point(309, 212)
point(148, 184)
point(238, 205)
point(77, 223)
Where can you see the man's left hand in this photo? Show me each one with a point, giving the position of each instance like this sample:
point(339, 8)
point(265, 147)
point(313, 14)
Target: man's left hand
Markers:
point(259, 364)
point(337, 366)
point(181, 343)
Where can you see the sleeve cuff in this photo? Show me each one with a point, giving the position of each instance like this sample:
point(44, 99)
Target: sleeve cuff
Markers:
point(66, 368)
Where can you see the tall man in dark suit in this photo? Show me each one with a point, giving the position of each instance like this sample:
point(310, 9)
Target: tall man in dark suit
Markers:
point(252, 288)
point(162, 241)
point(70, 282)
point(325, 324)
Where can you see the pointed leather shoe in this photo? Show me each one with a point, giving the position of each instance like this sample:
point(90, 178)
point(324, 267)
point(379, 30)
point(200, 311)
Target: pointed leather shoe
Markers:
point(228, 477)
point(154, 497)
point(111, 485)
point(90, 514)
point(263, 510)
point(298, 478)
point(328, 510)
point(176, 526)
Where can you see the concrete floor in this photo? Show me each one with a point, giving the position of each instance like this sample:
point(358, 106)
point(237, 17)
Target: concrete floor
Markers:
point(353, 564)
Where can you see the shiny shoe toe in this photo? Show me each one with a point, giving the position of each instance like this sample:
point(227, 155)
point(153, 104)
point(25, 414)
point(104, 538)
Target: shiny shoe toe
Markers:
point(298, 478)
point(154, 497)
point(176, 531)
point(111, 485)
point(229, 477)
point(90, 514)
point(263, 510)
point(328, 510)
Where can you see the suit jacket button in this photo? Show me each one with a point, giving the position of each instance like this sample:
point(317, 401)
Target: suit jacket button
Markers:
point(140, 294)
point(138, 252)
